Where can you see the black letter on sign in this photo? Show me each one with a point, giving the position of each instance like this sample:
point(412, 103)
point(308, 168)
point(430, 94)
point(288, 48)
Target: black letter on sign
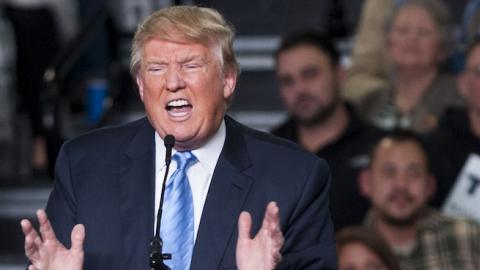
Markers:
point(475, 182)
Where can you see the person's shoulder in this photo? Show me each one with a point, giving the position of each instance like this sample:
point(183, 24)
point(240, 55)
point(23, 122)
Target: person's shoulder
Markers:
point(462, 227)
point(453, 123)
point(268, 146)
point(371, 102)
point(278, 161)
point(445, 224)
point(445, 86)
point(106, 137)
point(363, 128)
point(285, 129)
point(444, 90)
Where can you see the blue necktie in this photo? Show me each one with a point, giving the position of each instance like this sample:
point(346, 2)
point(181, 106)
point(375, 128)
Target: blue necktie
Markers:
point(177, 219)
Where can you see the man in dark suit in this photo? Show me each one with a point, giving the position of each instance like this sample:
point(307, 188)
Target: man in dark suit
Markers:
point(109, 180)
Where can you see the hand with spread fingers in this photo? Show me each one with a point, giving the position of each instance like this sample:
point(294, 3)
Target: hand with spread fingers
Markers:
point(45, 252)
point(263, 251)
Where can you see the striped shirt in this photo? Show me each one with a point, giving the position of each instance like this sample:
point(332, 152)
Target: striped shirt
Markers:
point(442, 243)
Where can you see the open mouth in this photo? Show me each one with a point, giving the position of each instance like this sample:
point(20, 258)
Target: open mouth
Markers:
point(178, 107)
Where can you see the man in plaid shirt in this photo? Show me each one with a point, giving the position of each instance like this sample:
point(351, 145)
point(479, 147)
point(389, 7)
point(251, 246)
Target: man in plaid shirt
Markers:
point(399, 184)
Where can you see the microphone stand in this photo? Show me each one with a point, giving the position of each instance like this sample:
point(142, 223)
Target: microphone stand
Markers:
point(156, 244)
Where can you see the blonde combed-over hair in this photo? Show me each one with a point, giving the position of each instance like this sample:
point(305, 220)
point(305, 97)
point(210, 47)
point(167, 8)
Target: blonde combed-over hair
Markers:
point(186, 23)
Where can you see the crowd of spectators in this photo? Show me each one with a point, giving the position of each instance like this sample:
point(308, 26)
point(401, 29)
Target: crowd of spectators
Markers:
point(396, 136)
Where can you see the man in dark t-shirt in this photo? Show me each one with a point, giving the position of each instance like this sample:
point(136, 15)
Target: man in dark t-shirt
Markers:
point(308, 73)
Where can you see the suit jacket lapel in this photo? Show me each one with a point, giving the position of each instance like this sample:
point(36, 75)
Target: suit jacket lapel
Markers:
point(136, 176)
point(228, 190)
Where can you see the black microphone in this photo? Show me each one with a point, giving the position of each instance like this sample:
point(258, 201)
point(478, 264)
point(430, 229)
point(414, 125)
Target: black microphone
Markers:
point(156, 244)
point(169, 142)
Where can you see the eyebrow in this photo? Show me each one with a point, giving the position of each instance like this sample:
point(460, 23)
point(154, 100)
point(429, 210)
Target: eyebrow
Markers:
point(310, 68)
point(181, 60)
point(154, 62)
point(190, 58)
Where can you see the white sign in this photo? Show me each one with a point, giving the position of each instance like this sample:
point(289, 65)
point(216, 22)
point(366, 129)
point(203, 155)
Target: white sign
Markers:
point(464, 198)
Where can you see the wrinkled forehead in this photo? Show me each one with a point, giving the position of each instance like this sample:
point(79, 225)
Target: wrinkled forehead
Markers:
point(176, 34)
point(179, 51)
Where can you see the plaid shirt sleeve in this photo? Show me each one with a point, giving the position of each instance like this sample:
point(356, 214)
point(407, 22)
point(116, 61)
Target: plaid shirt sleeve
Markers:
point(445, 243)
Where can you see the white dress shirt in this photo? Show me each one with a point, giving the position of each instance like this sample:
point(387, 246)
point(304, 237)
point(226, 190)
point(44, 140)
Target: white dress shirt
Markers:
point(199, 174)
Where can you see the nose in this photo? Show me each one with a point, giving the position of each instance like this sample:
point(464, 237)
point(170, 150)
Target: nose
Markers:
point(174, 80)
point(299, 86)
point(413, 34)
point(401, 181)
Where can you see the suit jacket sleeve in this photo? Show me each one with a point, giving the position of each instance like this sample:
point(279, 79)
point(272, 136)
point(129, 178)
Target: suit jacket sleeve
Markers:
point(61, 206)
point(309, 237)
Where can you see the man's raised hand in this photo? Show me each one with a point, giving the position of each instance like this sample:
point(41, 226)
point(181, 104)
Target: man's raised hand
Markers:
point(44, 250)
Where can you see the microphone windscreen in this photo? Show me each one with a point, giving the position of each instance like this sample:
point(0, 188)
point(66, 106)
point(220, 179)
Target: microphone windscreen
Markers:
point(169, 140)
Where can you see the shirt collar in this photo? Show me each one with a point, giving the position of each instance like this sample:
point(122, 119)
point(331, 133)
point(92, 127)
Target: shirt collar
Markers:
point(207, 155)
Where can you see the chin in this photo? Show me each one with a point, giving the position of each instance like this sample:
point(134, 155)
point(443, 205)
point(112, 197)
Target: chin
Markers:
point(181, 137)
point(188, 141)
point(401, 217)
point(181, 131)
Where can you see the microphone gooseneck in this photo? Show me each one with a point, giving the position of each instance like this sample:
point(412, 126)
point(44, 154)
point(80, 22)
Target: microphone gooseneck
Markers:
point(156, 244)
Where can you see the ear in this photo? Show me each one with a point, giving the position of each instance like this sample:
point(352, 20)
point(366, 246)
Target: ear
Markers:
point(364, 182)
point(229, 80)
point(431, 187)
point(139, 80)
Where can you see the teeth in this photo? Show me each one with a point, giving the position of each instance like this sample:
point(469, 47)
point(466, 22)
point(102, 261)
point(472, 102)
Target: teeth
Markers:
point(178, 103)
point(178, 114)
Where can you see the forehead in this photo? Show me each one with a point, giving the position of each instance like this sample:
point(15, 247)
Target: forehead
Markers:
point(166, 46)
point(302, 55)
point(178, 50)
point(397, 152)
point(414, 14)
point(356, 252)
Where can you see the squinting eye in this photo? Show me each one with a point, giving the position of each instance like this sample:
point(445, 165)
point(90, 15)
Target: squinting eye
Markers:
point(191, 67)
point(155, 69)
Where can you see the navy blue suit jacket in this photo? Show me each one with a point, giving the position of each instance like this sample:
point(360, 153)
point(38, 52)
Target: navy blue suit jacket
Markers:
point(105, 180)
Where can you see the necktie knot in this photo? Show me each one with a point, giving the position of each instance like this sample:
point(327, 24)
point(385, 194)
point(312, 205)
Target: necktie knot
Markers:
point(184, 160)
